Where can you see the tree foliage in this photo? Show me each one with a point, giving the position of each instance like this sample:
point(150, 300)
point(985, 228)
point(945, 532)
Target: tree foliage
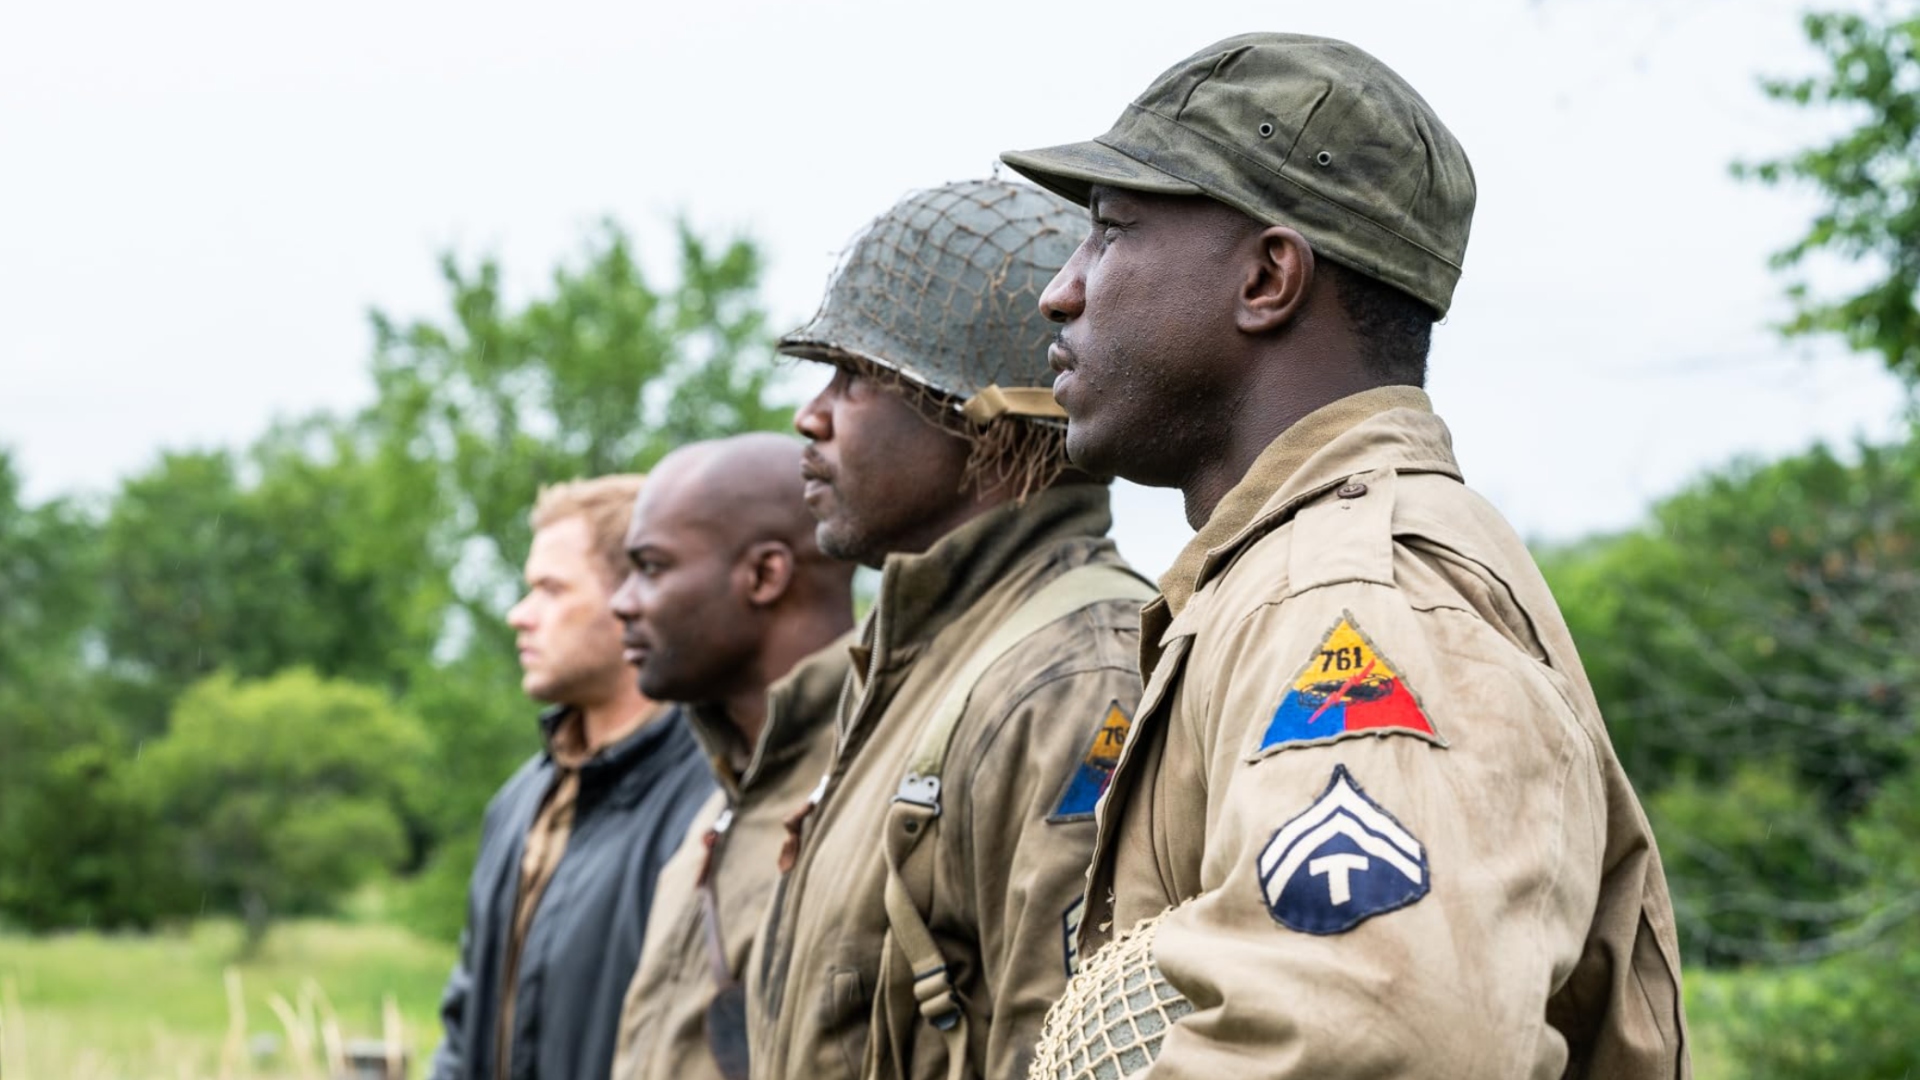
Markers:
point(1769, 611)
point(1868, 178)
point(75, 842)
point(278, 796)
point(605, 374)
point(604, 371)
point(71, 844)
point(305, 550)
point(47, 567)
point(377, 550)
point(1756, 651)
point(1849, 1015)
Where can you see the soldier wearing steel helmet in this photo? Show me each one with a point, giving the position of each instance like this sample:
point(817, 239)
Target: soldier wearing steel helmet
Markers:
point(1368, 822)
point(932, 883)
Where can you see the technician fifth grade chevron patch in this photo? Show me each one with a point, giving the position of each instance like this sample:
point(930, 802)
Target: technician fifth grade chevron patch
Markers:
point(1341, 862)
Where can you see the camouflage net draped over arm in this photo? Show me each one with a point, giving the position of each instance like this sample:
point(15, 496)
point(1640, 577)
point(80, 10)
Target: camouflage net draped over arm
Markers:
point(1114, 1015)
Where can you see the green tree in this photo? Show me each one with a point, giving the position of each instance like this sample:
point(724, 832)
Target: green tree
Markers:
point(280, 795)
point(604, 371)
point(306, 550)
point(605, 374)
point(48, 565)
point(1758, 867)
point(1768, 611)
point(1756, 651)
point(1869, 179)
point(73, 844)
point(77, 841)
point(381, 546)
point(1849, 1016)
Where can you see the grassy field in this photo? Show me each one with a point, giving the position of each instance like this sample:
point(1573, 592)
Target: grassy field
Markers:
point(96, 1007)
point(99, 1006)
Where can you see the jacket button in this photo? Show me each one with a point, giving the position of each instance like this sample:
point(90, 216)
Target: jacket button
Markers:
point(1352, 490)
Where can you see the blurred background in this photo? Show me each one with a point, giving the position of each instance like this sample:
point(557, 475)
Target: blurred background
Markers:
point(299, 306)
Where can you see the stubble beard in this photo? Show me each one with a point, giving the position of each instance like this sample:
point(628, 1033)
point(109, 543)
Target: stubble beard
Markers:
point(842, 540)
point(578, 687)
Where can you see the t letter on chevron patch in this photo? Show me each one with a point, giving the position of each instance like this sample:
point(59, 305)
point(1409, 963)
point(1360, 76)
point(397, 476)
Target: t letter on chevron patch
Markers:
point(1346, 688)
point(1340, 863)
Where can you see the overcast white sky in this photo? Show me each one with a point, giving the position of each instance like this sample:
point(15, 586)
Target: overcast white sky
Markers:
point(200, 199)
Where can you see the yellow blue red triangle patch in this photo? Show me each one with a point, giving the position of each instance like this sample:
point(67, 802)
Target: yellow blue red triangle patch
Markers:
point(1347, 687)
point(1095, 771)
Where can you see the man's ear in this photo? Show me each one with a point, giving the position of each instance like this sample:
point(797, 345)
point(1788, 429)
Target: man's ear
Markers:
point(769, 572)
point(1278, 276)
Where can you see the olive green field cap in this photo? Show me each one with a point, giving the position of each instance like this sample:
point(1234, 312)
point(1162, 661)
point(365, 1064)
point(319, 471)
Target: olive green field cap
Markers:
point(1292, 130)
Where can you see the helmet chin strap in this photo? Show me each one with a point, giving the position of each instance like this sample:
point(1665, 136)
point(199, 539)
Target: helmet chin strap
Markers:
point(995, 401)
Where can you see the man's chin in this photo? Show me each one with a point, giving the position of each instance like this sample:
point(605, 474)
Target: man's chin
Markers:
point(658, 690)
point(837, 541)
point(1089, 453)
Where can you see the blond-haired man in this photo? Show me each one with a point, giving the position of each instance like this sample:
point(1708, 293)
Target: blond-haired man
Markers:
point(571, 845)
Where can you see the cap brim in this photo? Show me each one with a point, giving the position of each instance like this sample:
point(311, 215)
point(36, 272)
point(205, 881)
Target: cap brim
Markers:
point(1070, 171)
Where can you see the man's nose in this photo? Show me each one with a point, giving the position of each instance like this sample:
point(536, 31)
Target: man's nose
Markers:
point(625, 600)
point(1065, 297)
point(813, 419)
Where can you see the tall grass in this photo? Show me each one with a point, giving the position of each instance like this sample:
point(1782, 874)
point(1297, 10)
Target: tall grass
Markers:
point(317, 996)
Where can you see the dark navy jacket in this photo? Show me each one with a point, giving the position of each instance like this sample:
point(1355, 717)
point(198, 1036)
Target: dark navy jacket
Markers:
point(637, 798)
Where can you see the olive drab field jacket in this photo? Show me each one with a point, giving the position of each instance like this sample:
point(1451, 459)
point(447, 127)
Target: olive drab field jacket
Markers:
point(830, 995)
point(664, 1033)
point(1369, 768)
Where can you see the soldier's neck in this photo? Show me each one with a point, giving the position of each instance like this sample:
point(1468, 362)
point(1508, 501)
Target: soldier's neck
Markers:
point(608, 721)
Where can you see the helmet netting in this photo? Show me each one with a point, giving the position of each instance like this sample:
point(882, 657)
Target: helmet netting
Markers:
point(1114, 1016)
point(945, 288)
point(1022, 453)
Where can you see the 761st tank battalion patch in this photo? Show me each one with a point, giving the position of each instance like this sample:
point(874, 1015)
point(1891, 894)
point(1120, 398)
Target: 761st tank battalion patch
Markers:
point(1341, 862)
point(1095, 771)
point(1346, 688)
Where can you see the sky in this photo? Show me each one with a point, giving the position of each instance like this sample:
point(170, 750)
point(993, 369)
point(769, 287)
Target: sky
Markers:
point(201, 200)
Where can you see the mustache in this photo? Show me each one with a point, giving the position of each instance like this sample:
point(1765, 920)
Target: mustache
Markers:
point(1065, 350)
point(812, 467)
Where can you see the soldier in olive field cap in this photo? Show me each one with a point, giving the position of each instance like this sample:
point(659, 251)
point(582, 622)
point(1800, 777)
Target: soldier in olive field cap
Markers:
point(925, 918)
point(1368, 822)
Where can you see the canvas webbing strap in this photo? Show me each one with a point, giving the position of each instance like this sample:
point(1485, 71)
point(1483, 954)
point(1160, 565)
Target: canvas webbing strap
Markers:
point(715, 841)
point(910, 861)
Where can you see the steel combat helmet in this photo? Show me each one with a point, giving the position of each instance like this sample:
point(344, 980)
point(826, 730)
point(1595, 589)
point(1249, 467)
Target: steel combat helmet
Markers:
point(943, 290)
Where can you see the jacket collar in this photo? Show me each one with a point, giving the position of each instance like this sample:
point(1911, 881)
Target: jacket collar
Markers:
point(1389, 427)
point(622, 771)
point(797, 705)
point(920, 595)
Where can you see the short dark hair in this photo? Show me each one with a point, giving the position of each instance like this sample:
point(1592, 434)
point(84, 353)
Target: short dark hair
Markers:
point(1395, 329)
